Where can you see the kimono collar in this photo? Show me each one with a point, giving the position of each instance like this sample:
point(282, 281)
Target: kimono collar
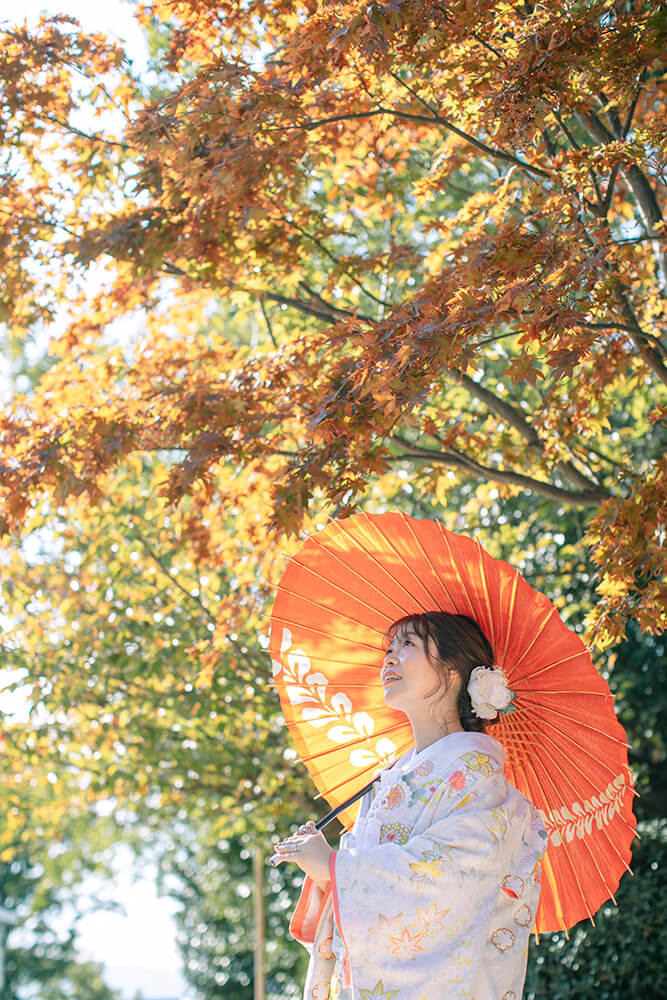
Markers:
point(444, 751)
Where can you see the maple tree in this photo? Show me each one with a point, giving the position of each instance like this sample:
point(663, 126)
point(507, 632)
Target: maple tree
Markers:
point(141, 692)
point(447, 219)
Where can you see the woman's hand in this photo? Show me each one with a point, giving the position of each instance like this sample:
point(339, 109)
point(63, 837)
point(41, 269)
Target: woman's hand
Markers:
point(310, 851)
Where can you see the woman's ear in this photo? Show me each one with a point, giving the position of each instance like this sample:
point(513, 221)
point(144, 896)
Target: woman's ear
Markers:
point(454, 683)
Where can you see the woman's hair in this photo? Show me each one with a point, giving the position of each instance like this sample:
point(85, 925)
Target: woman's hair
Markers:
point(461, 645)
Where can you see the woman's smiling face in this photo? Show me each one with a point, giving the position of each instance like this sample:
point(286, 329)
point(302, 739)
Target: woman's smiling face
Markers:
point(408, 676)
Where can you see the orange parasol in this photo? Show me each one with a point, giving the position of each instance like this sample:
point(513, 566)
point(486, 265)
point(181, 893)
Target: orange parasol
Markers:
point(566, 751)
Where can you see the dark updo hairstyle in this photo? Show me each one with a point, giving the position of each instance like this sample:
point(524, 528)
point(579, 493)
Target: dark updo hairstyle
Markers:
point(461, 645)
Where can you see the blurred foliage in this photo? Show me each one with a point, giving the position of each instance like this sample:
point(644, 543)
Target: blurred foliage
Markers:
point(40, 887)
point(623, 955)
point(141, 688)
point(214, 880)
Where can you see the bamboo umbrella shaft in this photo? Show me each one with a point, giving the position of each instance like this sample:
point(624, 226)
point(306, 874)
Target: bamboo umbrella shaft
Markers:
point(259, 979)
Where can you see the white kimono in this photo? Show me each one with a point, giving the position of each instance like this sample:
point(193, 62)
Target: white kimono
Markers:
point(434, 891)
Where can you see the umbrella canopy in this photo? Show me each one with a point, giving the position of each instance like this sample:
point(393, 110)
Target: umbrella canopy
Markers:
point(566, 751)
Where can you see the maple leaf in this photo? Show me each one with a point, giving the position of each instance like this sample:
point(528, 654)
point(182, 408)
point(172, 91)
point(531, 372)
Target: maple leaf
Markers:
point(387, 928)
point(431, 920)
point(407, 943)
point(378, 992)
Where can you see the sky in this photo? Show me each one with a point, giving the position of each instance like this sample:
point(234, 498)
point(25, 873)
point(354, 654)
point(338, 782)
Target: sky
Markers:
point(138, 947)
point(113, 17)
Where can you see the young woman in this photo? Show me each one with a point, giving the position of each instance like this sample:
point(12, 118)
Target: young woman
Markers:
point(433, 893)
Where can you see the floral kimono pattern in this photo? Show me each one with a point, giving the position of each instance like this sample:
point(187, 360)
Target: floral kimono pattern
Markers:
point(434, 892)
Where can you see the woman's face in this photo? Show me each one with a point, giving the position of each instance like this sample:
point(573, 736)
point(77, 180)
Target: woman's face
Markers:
point(408, 677)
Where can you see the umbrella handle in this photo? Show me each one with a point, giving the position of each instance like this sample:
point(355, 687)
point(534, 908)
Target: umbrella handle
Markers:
point(321, 823)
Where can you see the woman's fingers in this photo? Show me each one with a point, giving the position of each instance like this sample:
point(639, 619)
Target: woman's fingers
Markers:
point(285, 850)
point(289, 846)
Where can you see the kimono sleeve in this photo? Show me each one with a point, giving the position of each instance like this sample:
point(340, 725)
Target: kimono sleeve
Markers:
point(308, 913)
point(312, 906)
point(414, 911)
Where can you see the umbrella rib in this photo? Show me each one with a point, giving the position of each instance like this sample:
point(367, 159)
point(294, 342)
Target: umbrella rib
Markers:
point(528, 648)
point(566, 852)
point(531, 763)
point(559, 691)
point(549, 876)
point(509, 758)
point(358, 774)
point(426, 556)
point(609, 770)
point(335, 659)
point(611, 842)
point(456, 568)
point(365, 581)
point(344, 684)
point(370, 555)
point(579, 722)
point(440, 579)
point(515, 585)
point(485, 583)
point(547, 860)
point(569, 760)
point(403, 562)
point(324, 607)
point(352, 743)
point(557, 663)
point(328, 635)
point(578, 746)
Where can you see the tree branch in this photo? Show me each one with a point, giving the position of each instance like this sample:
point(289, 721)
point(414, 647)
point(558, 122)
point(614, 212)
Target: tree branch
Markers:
point(335, 260)
point(433, 119)
point(581, 498)
point(319, 312)
point(268, 322)
point(325, 312)
point(85, 135)
point(335, 311)
point(497, 154)
point(640, 338)
point(566, 132)
point(642, 192)
point(516, 420)
point(656, 344)
point(148, 548)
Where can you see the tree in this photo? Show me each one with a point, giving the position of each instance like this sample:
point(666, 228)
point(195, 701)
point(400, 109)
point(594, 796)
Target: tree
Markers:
point(124, 647)
point(448, 217)
point(40, 878)
point(213, 879)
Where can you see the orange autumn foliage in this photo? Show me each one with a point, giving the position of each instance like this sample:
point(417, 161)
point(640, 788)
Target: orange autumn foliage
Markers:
point(353, 237)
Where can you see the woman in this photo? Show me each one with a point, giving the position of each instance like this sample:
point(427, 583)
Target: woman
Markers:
point(433, 893)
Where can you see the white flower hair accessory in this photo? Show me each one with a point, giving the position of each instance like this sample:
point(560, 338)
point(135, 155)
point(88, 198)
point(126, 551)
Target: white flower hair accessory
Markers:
point(490, 693)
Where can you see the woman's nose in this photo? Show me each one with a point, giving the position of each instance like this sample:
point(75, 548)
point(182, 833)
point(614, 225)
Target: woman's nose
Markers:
point(389, 658)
